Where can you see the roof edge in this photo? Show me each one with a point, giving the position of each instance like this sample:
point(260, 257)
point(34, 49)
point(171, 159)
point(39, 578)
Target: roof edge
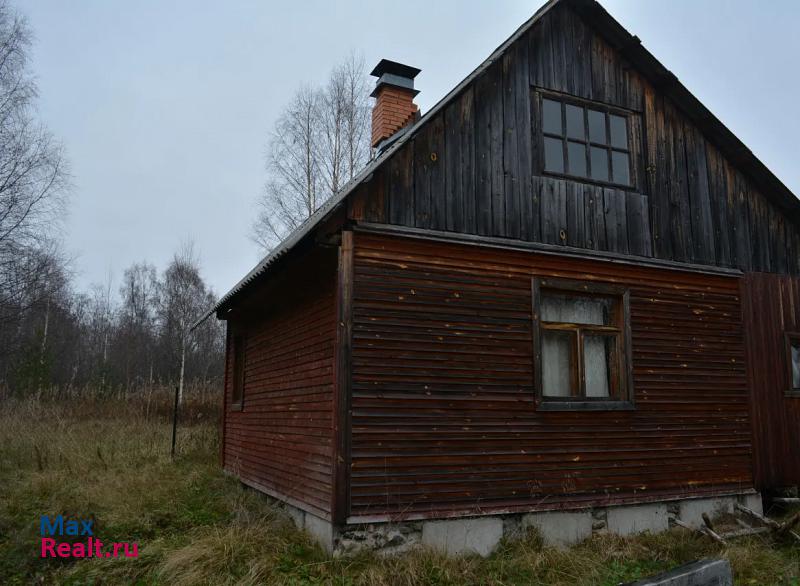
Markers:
point(331, 204)
point(666, 82)
point(632, 49)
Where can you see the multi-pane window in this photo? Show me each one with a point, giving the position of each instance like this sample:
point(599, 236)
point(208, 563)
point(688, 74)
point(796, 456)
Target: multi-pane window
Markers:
point(238, 348)
point(585, 141)
point(582, 342)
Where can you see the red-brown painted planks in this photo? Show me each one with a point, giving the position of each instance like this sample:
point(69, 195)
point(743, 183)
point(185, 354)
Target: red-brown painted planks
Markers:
point(281, 439)
point(770, 309)
point(443, 414)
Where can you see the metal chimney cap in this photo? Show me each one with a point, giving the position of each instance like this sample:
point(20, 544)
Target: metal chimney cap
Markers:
point(394, 68)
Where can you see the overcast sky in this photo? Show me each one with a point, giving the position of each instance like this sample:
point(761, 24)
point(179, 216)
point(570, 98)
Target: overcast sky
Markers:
point(164, 106)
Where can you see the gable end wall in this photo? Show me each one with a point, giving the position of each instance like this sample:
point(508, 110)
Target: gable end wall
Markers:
point(474, 167)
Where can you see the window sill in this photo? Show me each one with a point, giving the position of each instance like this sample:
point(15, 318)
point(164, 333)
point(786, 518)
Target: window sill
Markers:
point(793, 394)
point(235, 406)
point(586, 406)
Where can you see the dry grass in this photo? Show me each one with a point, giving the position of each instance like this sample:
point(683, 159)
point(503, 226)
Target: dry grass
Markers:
point(110, 459)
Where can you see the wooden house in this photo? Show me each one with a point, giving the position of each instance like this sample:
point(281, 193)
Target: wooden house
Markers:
point(564, 297)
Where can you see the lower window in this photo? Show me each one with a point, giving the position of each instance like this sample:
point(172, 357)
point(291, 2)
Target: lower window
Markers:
point(237, 391)
point(582, 344)
point(793, 355)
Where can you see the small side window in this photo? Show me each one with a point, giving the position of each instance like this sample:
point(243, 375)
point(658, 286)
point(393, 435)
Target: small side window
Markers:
point(793, 355)
point(237, 393)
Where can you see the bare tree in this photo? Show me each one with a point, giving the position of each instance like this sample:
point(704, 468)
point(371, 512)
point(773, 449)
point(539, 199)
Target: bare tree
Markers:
point(318, 144)
point(356, 114)
point(136, 330)
point(331, 120)
point(23, 270)
point(36, 343)
point(292, 190)
point(33, 174)
point(183, 299)
point(99, 329)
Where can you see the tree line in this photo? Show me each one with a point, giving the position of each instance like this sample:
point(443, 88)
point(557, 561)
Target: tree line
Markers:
point(136, 332)
point(52, 336)
point(128, 337)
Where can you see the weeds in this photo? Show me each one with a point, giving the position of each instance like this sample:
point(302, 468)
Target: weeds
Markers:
point(109, 459)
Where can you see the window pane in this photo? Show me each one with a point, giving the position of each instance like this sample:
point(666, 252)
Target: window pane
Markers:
point(557, 363)
point(553, 155)
point(576, 156)
point(599, 358)
point(575, 128)
point(795, 364)
point(599, 163)
point(574, 309)
point(597, 127)
point(620, 165)
point(551, 117)
point(238, 369)
point(619, 132)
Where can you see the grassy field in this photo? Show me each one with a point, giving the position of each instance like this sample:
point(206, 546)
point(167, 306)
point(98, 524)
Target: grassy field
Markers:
point(109, 459)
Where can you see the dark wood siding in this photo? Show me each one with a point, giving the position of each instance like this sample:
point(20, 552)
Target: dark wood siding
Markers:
point(443, 414)
point(475, 167)
point(771, 307)
point(281, 440)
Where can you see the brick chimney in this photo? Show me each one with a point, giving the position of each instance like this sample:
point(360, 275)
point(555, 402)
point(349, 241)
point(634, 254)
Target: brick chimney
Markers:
point(394, 99)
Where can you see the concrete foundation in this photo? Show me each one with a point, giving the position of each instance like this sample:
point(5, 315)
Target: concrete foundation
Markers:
point(321, 530)
point(637, 519)
point(752, 502)
point(561, 529)
point(481, 535)
point(298, 516)
point(478, 535)
point(691, 511)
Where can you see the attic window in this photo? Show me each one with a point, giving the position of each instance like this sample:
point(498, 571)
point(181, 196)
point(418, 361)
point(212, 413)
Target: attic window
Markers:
point(582, 345)
point(585, 140)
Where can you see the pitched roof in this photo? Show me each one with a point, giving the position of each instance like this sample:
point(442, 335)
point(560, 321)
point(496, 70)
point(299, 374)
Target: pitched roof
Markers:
point(631, 48)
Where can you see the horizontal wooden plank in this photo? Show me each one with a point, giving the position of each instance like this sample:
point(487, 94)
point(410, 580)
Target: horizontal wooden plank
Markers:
point(281, 441)
point(443, 413)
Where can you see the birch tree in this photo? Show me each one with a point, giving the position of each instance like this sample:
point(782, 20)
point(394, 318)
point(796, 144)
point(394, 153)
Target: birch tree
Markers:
point(352, 75)
point(33, 174)
point(292, 190)
point(318, 144)
point(138, 292)
point(98, 329)
point(183, 297)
